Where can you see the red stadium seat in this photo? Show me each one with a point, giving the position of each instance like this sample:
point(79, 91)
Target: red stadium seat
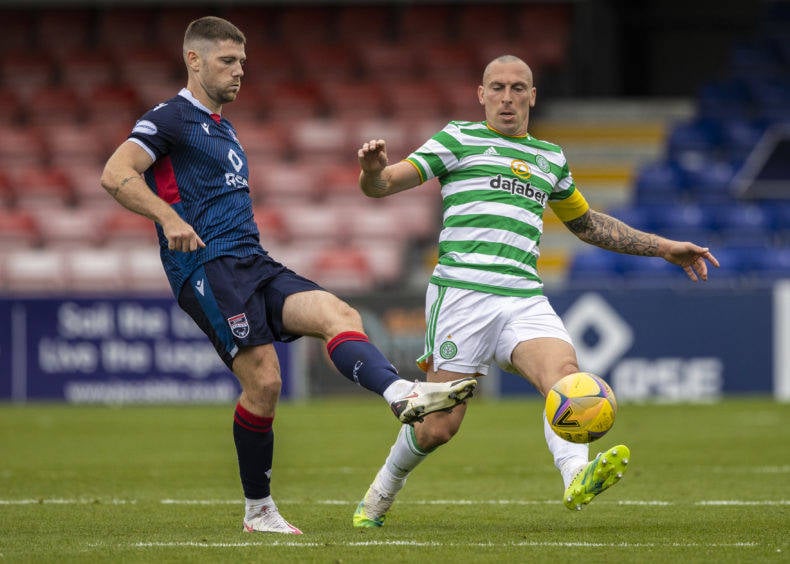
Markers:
point(335, 62)
point(70, 143)
point(18, 229)
point(354, 99)
point(68, 228)
point(307, 24)
point(54, 104)
point(286, 101)
point(85, 181)
point(416, 99)
point(147, 64)
point(271, 225)
point(362, 26)
point(282, 183)
point(395, 132)
point(321, 139)
point(85, 70)
point(343, 269)
point(388, 62)
point(449, 61)
point(482, 23)
point(422, 24)
point(267, 63)
point(126, 229)
point(170, 25)
point(27, 70)
point(123, 28)
point(19, 29)
point(11, 108)
point(62, 31)
point(118, 102)
point(311, 224)
point(249, 107)
point(262, 141)
point(37, 187)
point(21, 146)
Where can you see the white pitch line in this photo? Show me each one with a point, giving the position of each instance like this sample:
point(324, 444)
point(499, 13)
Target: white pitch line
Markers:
point(308, 544)
point(340, 502)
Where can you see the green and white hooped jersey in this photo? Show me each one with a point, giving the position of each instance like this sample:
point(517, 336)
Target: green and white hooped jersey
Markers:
point(494, 191)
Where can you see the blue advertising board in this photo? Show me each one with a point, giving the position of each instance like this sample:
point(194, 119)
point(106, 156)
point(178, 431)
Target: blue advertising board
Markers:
point(692, 345)
point(110, 350)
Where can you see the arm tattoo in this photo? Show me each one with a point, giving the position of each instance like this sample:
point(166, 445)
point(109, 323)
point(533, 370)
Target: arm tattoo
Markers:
point(114, 191)
point(612, 234)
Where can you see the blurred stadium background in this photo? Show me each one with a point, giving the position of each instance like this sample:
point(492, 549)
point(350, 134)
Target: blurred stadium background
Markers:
point(675, 117)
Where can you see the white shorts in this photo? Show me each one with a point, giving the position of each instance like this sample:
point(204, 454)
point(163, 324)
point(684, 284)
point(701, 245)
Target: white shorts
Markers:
point(467, 331)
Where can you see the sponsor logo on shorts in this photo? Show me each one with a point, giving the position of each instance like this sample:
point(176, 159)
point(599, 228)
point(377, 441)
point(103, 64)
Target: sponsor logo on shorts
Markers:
point(448, 350)
point(239, 326)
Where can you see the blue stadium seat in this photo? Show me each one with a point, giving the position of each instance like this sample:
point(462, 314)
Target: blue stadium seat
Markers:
point(594, 264)
point(694, 136)
point(658, 182)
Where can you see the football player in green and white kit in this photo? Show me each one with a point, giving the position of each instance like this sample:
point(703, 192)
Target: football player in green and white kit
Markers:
point(485, 301)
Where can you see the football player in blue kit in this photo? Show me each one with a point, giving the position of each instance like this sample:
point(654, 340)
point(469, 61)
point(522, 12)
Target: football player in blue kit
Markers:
point(184, 168)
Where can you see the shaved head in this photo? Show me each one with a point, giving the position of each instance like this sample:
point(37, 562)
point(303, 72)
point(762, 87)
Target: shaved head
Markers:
point(505, 59)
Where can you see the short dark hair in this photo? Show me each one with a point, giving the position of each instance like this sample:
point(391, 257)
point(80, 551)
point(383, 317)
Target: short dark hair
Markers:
point(213, 28)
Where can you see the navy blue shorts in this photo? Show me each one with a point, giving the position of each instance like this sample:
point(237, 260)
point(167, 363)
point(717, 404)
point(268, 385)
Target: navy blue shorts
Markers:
point(238, 302)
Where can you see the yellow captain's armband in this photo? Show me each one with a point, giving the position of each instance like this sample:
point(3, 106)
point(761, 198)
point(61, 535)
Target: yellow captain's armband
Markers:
point(571, 207)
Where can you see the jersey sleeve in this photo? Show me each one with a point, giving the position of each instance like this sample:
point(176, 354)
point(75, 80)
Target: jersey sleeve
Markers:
point(158, 130)
point(566, 200)
point(435, 157)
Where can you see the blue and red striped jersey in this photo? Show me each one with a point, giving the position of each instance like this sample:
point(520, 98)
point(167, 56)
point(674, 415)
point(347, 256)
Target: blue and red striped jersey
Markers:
point(201, 170)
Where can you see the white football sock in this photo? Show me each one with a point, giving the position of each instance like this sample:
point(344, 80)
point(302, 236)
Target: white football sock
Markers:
point(404, 457)
point(397, 390)
point(568, 456)
point(253, 505)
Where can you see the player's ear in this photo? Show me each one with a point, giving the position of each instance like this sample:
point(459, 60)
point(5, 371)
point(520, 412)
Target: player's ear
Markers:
point(480, 91)
point(192, 59)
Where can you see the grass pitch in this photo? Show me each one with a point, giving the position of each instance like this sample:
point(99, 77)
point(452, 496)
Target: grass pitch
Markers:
point(708, 483)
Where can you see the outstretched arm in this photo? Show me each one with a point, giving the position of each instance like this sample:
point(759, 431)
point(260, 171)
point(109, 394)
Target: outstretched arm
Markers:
point(123, 180)
point(378, 178)
point(612, 234)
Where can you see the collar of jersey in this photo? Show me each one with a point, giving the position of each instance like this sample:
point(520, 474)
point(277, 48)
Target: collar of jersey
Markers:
point(195, 102)
point(495, 130)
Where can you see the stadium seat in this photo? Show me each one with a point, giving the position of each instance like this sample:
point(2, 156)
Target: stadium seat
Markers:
point(84, 178)
point(450, 61)
point(746, 223)
point(361, 26)
point(269, 63)
point(262, 140)
point(343, 269)
point(548, 27)
point(11, 108)
point(125, 229)
point(143, 271)
point(395, 132)
point(388, 62)
point(693, 136)
point(18, 229)
point(321, 140)
point(652, 271)
point(286, 101)
point(482, 23)
point(40, 187)
point(61, 31)
point(54, 104)
point(314, 225)
point(248, 108)
point(35, 270)
point(353, 100)
point(123, 28)
point(19, 29)
point(416, 99)
point(337, 61)
point(307, 25)
point(425, 24)
point(28, 70)
point(271, 225)
point(340, 181)
point(69, 228)
point(707, 180)
point(21, 146)
point(119, 103)
point(86, 70)
point(95, 270)
point(284, 183)
point(658, 182)
point(385, 258)
point(149, 64)
point(593, 266)
point(70, 143)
